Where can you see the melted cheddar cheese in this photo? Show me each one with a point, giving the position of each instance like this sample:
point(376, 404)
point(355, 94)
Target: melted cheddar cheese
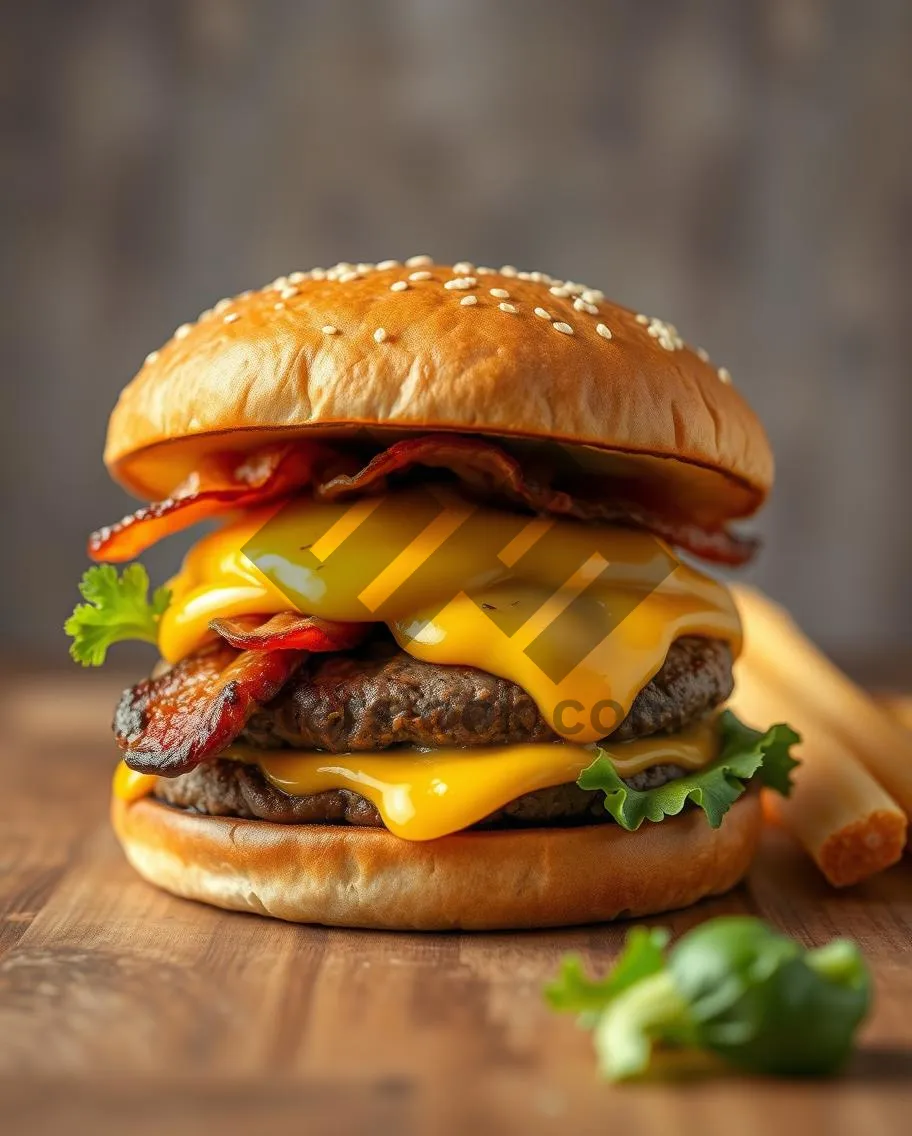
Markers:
point(580, 616)
point(422, 795)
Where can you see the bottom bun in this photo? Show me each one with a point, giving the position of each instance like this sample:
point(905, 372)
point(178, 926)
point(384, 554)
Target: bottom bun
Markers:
point(366, 877)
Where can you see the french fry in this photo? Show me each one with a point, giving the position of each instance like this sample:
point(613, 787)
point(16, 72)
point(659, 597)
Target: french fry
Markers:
point(850, 826)
point(774, 643)
point(899, 707)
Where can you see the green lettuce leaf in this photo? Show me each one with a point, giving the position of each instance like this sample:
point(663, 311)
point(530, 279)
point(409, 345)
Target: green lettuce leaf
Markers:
point(116, 608)
point(745, 753)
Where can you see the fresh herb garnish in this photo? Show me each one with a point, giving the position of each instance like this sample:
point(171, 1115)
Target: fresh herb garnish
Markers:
point(733, 987)
point(116, 608)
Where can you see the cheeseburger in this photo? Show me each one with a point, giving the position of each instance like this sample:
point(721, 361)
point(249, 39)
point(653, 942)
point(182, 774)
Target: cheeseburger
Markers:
point(444, 657)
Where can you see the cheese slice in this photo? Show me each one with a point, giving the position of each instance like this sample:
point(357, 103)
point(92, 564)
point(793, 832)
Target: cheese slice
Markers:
point(130, 785)
point(580, 616)
point(422, 795)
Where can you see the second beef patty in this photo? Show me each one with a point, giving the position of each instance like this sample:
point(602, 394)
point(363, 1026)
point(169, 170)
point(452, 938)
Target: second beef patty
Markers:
point(369, 700)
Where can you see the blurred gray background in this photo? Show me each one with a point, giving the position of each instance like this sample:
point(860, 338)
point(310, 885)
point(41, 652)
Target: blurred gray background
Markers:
point(742, 169)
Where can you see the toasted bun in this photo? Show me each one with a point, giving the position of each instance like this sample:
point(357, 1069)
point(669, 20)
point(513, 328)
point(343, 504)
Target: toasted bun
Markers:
point(322, 353)
point(365, 877)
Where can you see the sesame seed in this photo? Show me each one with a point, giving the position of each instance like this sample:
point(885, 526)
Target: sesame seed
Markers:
point(279, 283)
point(279, 306)
point(603, 331)
point(642, 319)
point(297, 277)
point(380, 335)
point(329, 329)
point(500, 293)
point(507, 270)
point(244, 295)
point(485, 270)
point(511, 308)
point(461, 283)
point(399, 286)
point(543, 313)
point(347, 277)
point(221, 305)
point(468, 301)
point(573, 288)
point(666, 334)
point(563, 327)
point(183, 331)
point(418, 261)
point(703, 354)
point(231, 317)
point(724, 375)
point(582, 306)
point(318, 274)
point(385, 264)
point(364, 267)
point(152, 356)
point(559, 291)
point(420, 276)
point(464, 267)
point(287, 293)
point(593, 296)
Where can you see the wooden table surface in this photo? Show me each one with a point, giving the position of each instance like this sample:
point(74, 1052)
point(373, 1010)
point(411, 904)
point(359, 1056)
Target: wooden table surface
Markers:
point(125, 1010)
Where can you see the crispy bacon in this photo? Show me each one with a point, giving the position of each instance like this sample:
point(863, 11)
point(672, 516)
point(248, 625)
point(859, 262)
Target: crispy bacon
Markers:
point(489, 469)
point(289, 631)
point(226, 482)
point(169, 724)
point(273, 472)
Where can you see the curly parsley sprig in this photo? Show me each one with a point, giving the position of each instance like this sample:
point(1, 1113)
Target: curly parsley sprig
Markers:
point(116, 608)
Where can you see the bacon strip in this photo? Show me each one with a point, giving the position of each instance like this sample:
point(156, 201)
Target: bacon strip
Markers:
point(226, 482)
point(168, 725)
point(289, 631)
point(489, 469)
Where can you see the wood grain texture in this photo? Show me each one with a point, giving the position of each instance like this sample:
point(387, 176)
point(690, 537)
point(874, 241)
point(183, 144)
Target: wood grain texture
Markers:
point(123, 1009)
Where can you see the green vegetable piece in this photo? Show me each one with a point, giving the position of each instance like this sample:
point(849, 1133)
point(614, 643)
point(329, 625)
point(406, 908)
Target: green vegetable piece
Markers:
point(116, 608)
point(651, 1011)
point(760, 1001)
point(641, 957)
point(733, 989)
point(714, 789)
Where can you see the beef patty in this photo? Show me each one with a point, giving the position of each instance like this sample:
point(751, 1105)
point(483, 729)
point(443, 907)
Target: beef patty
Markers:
point(382, 697)
point(231, 788)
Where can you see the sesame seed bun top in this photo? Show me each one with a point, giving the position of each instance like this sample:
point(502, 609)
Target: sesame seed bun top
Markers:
point(409, 348)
